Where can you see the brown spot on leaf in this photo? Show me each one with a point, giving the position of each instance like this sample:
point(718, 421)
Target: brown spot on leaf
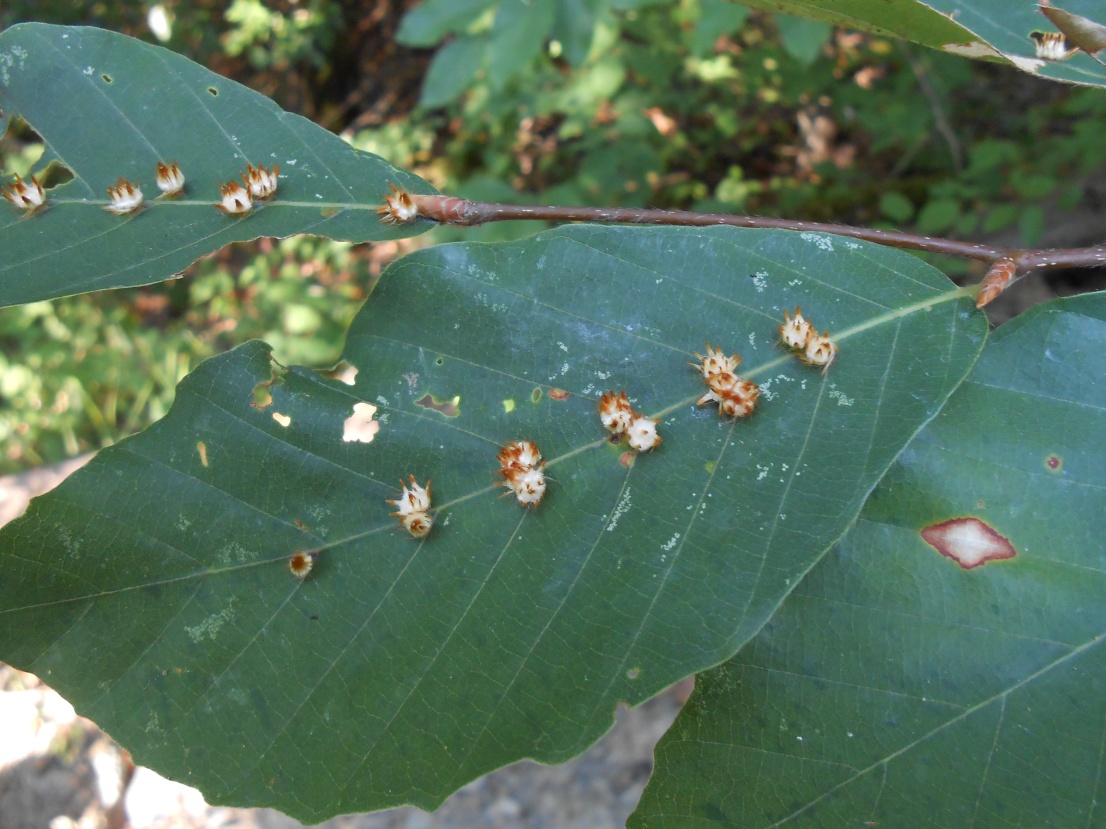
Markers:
point(969, 542)
point(558, 394)
point(1054, 462)
point(627, 459)
point(535, 395)
point(201, 447)
point(449, 408)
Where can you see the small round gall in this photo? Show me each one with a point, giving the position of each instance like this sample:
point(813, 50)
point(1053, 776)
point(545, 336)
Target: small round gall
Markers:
point(796, 330)
point(236, 199)
point(414, 498)
point(125, 198)
point(261, 183)
point(398, 207)
point(26, 195)
point(643, 435)
point(715, 361)
point(615, 412)
point(820, 351)
point(170, 180)
point(417, 524)
point(522, 453)
point(527, 484)
point(302, 562)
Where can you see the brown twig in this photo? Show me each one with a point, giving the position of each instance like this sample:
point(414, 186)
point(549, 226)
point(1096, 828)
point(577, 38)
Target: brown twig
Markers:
point(1015, 263)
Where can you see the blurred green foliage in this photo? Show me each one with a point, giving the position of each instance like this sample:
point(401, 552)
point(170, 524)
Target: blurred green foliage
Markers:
point(690, 103)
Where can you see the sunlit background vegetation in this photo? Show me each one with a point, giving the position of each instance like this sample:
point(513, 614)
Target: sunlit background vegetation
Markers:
point(683, 103)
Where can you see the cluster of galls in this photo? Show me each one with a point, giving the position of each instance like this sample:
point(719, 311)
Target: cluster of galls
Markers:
point(620, 419)
point(237, 199)
point(413, 508)
point(801, 337)
point(521, 465)
point(259, 184)
point(735, 397)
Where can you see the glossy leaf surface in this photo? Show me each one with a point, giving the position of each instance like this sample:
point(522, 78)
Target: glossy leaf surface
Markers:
point(988, 29)
point(901, 687)
point(153, 588)
point(109, 106)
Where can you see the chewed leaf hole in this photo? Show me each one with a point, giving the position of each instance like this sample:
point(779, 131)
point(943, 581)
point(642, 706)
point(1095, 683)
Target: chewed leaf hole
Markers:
point(969, 542)
point(262, 396)
point(213, 91)
point(343, 372)
point(107, 78)
point(282, 419)
point(360, 427)
point(449, 408)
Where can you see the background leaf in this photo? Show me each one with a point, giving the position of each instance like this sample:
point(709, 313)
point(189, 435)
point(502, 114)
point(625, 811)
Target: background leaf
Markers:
point(895, 687)
point(991, 29)
point(135, 105)
point(153, 590)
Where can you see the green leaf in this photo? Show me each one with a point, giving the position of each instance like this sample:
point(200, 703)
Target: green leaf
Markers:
point(895, 688)
point(896, 207)
point(109, 106)
point(152, 589)
point(453, 70)
point(574, 28)
point(518, 36)
point(716, 18)
point(938, 215)
point(431, 20)
point(988, 29)
point(803, 38)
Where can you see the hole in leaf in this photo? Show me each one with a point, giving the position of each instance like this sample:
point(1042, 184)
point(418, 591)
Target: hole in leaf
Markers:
point(262, 395)
point(360, 427)
point(343, 372)
point(535, 395)
point(107, 78)
point(508, 406)
point(449, 408)
point(213, 91)
point(439, 362)
point(282, 419)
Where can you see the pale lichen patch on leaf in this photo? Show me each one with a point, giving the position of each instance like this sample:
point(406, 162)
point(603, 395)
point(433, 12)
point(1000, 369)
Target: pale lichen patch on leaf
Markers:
point(360, 427)
point(209, 628)
point(969, 542)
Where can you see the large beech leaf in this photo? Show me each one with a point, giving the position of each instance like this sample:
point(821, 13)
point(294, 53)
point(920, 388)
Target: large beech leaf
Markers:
point(989, 29)
point(107, 106)
point(153, 587)
point(897, 688)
